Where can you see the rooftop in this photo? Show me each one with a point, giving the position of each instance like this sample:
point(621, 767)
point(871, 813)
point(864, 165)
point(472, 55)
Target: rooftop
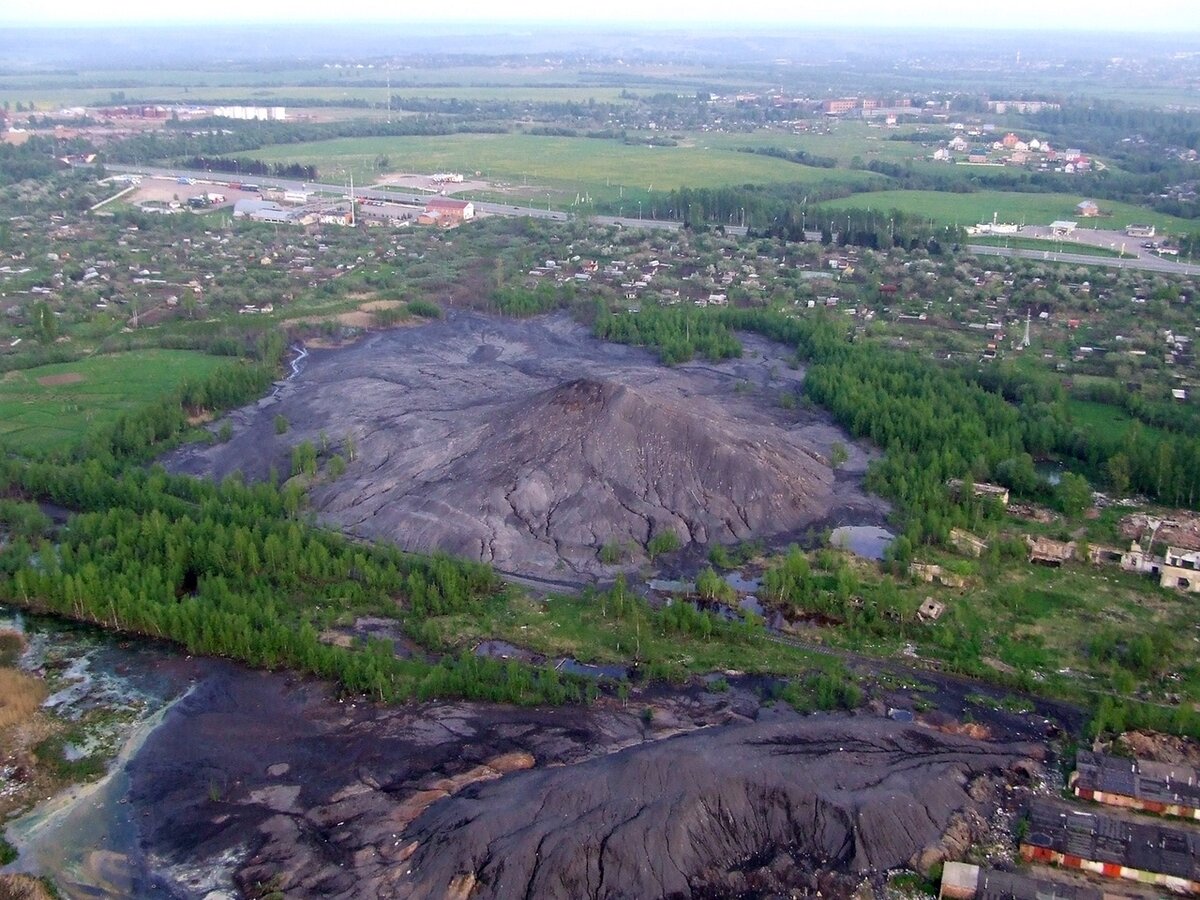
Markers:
point(995, 885)
point(1148, 847)
point(445, 203)
point(1140, 778)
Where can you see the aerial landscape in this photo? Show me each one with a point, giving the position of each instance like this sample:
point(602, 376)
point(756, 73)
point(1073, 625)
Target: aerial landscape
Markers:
point(611, 453)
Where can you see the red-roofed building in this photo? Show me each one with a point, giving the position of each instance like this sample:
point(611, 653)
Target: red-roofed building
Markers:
point(446, 212)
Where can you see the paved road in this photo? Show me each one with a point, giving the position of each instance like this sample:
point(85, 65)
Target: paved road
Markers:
point(1148, 264)
point(413, 199)
point(396, 196)
point(1146, 260)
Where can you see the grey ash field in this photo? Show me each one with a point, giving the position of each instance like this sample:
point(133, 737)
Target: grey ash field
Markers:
point(531, 445)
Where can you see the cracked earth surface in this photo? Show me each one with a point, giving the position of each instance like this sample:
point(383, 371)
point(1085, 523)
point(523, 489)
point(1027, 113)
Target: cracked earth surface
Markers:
point(530, 445)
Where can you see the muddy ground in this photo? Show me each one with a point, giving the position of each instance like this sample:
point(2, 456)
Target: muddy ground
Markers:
point(531, 446)
point(257, 781)
point(267, 782)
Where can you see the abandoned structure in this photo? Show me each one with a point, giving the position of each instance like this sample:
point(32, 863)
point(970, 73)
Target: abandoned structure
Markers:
point(1049, 552)
point(982, 489)
point(963, 881)
point(1177, 568)
point(1155, 787)
point(967, 543)
point(929, 573)
point(1116, 847)
point(931, 610)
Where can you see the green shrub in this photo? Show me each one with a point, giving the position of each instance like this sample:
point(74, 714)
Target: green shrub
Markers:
point(425, 309)
point(663, 542)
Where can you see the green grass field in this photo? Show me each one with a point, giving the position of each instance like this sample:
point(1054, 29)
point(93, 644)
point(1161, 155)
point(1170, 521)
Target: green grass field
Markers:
point(1109, 419)
point(514, 83)
point(56, 405)
point(1029, 209)
point(844, 141)
point(528, 167)
point(1045, 244)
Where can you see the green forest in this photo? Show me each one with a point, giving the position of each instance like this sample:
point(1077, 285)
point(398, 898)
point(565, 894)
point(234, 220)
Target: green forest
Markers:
point(229, 570)
point(934, 422)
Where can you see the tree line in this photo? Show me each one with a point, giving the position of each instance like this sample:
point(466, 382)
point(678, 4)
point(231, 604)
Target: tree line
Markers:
point(220, 137)
point(229, 570)
point(801, 157)
point(251, 167)
point(934, 422)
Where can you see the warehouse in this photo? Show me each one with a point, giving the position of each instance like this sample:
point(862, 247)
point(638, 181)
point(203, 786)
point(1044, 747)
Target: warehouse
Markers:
point(1113, 846)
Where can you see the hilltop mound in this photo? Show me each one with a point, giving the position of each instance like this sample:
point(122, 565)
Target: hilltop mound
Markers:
point(593, 462)
point(532, 446)
point(555, 476)
point(719, 812)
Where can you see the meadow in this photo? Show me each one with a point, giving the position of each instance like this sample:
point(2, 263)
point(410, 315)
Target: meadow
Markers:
point(1045, 244)
point(51, 406)
point(529, 167)
point(1022, 208)
point(834, 138)
point(50, 91)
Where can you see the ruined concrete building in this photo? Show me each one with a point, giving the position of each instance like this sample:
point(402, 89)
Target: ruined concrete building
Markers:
point(1049, 552)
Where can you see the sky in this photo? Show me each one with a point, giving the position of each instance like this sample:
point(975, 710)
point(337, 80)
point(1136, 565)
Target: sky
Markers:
point(1173, 16)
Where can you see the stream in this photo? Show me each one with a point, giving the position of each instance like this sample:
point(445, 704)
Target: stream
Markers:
point(84, 838)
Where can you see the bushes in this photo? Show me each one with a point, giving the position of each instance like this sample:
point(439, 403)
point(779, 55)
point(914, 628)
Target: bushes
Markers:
point(664, 542)
point(712, 586)
point(425, 309)
point(823, 691)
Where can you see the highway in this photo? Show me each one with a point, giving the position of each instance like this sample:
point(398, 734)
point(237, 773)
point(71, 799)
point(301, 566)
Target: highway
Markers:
point(1145, 261)
point(395, 196)
point(410, 199)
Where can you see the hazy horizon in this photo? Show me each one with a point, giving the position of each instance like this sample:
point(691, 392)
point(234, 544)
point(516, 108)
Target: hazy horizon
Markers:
point(1170, 18)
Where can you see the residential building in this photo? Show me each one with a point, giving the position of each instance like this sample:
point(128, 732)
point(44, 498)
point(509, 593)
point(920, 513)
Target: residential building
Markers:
point(840, 106)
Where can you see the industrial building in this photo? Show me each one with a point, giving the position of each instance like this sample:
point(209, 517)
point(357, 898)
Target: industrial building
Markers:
point(446, 212)
point(963, 881)
point(1116, 847)
point(252, 113)
point(1155, 787)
